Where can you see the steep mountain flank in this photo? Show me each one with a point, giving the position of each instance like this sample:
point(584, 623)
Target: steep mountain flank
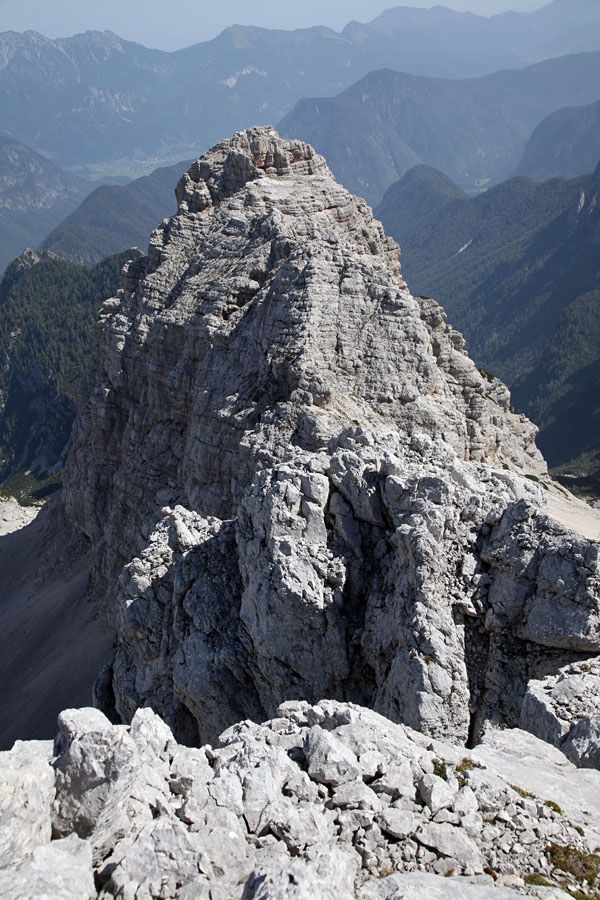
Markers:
point(47, 311)
point(305, 485)
point(53, 640)
point(34, 196)
point(566, 143)
point(561, 391)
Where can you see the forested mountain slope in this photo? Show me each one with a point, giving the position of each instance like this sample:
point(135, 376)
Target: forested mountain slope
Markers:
point(116, 216)
point(47, 310)
point(566, 143)
point(35, 195)
point(516, 269)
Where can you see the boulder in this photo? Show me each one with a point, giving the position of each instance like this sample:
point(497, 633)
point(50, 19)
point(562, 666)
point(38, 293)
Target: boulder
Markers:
point(564, 709)
point(26, 796)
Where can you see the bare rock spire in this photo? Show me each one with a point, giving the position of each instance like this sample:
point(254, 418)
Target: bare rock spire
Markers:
point(307, 484)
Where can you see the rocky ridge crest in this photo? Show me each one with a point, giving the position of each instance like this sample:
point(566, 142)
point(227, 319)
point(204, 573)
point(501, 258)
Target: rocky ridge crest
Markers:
point(304, 485)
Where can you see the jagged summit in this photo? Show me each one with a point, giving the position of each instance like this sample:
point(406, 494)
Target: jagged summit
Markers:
point(300, 325)
point(307, 485)
point(248, 155)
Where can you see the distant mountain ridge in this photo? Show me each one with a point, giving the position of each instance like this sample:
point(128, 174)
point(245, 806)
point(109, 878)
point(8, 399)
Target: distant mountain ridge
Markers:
point(473, 129)
point(97, 103)
point(525, 36)
point(35, 195)
point(516, 269)
point(116, 216)
point(566, 143)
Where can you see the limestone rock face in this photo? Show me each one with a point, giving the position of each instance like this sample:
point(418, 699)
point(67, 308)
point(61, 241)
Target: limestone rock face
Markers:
point(328, 801)
point(14, 516)
point(297, 483)
point(27, 794)
point(564, 709)
point(61, 870)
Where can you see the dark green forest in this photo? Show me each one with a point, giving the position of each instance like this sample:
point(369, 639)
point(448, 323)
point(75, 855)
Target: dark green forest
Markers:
point(47, 310)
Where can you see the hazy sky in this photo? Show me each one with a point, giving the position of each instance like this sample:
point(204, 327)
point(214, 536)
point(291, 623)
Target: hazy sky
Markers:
point(170, 24)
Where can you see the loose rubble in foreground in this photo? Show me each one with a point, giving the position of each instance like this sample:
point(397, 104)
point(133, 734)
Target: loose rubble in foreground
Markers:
point(324, 801)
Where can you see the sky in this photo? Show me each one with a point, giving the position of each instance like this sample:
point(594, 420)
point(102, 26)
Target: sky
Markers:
point(171, 24)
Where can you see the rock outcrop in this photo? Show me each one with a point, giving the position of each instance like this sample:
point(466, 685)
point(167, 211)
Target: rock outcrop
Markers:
point(303, 485)
point(330, 801)
point(564, 709)
point(13, 516)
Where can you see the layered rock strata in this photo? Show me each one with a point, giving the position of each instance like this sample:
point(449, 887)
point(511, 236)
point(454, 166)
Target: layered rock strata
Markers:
point(308, 488)
point(328, 802)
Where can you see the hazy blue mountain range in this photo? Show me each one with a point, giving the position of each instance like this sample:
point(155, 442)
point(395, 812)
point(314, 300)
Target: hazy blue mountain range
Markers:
point(566, 143)
point(473, 129)
point(113, 217)
point(116, 216)
point(516, 269)
point(99, 104)
point(35, 195)
point(563, 26)
point(47, 310)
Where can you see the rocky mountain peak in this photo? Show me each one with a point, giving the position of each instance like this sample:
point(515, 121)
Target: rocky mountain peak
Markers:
point(288, 298)
point(294, 180)
point(297, 483)
point(248, 155)
point(317, 330)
